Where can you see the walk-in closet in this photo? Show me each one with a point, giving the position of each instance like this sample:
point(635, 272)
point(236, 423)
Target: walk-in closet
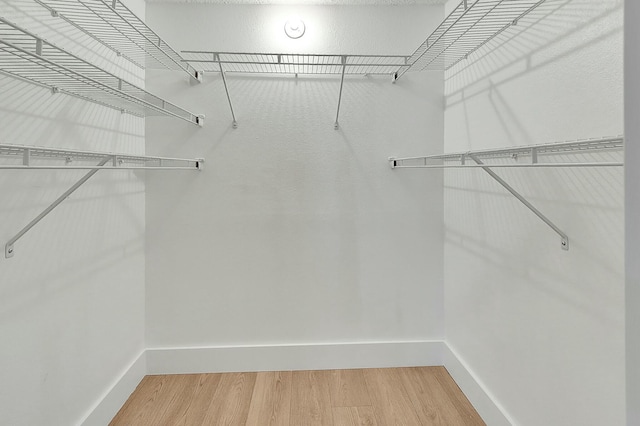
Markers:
point(319, 212)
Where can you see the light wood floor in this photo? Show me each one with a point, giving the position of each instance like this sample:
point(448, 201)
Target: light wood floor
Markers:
point(372, 397)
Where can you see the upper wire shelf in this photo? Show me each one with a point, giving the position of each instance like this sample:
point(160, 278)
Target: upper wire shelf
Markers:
point(291, 63)
point(468, 27)
point(27, 57)
point(114, 25)
point(36, 157)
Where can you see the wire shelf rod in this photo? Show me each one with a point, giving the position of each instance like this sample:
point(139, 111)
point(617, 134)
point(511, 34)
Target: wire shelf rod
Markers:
point(26, 154)
point(510, 166)
point(573, 147)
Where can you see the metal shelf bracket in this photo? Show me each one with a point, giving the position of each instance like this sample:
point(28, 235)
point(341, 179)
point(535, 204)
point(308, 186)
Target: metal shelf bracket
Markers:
point(8, 248)
point(527, 156)
point(564, 239)
point(23, 157)
point(336, 125)
point(216, 57)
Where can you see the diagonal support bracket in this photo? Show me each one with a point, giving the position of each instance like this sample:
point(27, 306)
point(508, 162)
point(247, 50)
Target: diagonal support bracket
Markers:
point(226, 89)
point(564, 242)
point(336, 125)
point(8, 248)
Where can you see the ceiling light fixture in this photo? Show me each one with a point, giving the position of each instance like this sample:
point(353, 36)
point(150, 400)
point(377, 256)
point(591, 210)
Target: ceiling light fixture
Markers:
point(294, 28)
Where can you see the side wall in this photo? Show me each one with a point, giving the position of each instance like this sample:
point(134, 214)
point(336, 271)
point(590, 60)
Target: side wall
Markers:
point(72, 297)
point(632, 207)
point(295, 233)
point(540, 328)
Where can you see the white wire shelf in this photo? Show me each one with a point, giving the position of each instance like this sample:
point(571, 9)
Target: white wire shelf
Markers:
point(522, 156)
point(23, 157)
point(561, 154)
point(25, 56)
point(290, 63)
point(468, 27)
point(115, 26)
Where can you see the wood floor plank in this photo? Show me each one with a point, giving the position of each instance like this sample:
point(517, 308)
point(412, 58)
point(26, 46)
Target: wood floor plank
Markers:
point(469, 414)
point(390, 401)
point(139, 402)
point(349, 389)
point(179, 394)
point(230, 403)
point(432, 403)
point(158, 393)
point(271, 399)
point(405, 396)
point(201, 397)
point(354, 416)
point(311, 399)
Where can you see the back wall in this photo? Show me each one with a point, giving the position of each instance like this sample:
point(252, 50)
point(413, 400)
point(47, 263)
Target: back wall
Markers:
point(295, 233)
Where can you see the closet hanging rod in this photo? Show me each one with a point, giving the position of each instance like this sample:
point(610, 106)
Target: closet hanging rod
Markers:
point(471, 25)
point(115, 26)
point(25, 56)
point(27, 154)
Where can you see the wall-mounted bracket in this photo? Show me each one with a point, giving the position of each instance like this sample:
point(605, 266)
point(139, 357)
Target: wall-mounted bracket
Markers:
point(8, 248)
point(20, 158)
point(196, 78)
point(564, 239)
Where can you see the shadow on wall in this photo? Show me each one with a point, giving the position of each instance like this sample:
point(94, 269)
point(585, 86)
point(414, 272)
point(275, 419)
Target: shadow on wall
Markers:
point(556, 29)
point(491, 226)
point(542, 78)
point(96, 226)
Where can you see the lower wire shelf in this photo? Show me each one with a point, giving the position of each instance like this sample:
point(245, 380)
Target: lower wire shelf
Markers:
point(22, 157)
point(559, 154)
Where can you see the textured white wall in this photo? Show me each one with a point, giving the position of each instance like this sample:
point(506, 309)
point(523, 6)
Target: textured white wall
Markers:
point(632, 206)
point(541, 328)
point(72, 298)
point(295, 232)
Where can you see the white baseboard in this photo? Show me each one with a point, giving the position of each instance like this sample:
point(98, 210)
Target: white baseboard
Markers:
point(294, 357)
point(298, 357)
point(481, 399)
point(109, 405)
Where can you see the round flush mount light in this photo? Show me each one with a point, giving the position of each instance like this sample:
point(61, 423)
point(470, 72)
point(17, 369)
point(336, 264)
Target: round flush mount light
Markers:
point(294, 28)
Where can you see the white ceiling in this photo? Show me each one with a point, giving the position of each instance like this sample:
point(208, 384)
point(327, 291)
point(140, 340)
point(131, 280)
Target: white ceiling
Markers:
point(303, 2)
